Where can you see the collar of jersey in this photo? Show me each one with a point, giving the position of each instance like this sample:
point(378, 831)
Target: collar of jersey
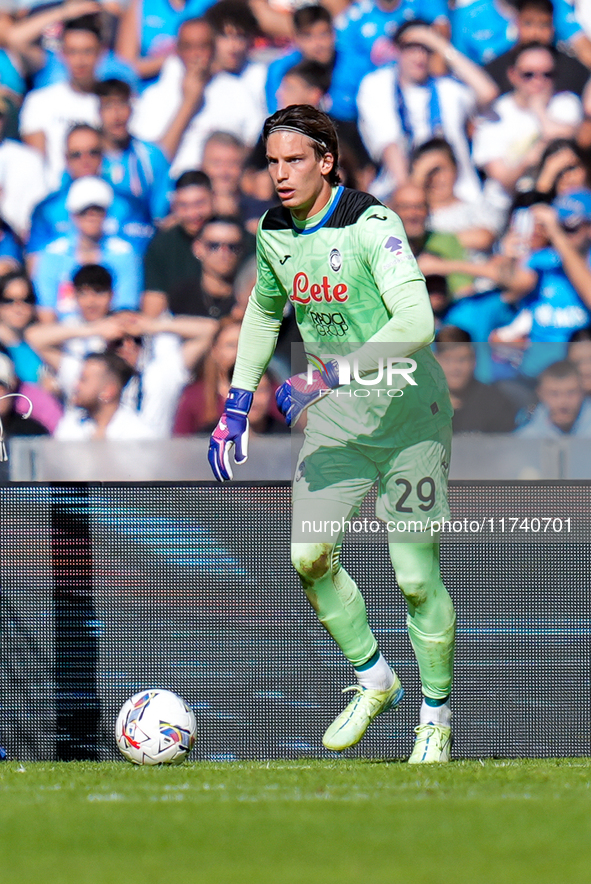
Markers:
point(324, 214)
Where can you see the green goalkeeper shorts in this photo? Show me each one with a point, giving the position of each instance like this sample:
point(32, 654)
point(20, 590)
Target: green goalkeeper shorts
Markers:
point(333, 477)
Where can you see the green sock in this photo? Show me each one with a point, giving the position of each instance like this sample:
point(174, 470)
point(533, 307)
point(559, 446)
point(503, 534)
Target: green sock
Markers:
point(431, 619)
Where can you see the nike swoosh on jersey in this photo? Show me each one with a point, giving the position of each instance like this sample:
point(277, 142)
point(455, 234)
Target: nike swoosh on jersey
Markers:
point(284, 259)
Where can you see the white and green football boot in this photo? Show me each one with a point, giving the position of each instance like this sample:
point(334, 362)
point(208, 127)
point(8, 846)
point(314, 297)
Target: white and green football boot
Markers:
point(350, 726)
point(432, 744)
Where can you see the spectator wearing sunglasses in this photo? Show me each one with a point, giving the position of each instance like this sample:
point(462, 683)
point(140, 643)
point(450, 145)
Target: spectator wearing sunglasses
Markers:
point(128, 216)
point(170, 261)
point(173, 265)
point(527, 119)
point(534, 22)
point(88, 242)
point(17, 313)
point(220, 248)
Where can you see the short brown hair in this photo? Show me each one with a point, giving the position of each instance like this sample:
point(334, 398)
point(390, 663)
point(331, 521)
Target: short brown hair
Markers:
point(451, 335)
point(115, 366)
point(315, 125)
point(559, 370)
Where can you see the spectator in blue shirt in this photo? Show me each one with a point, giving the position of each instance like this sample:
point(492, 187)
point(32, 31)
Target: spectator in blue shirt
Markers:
point(554, 284)
point(29, 38)
point(87, 203)
point(315, 39)
point(11, 252)
point(148, 30)
point(134, 167)
point(484, 29)
point(17, 313)
point(365, 30)
point(127, 217)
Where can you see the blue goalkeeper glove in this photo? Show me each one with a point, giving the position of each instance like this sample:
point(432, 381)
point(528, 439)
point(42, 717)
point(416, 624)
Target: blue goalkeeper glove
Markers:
point(296, 394)
point(231, 431)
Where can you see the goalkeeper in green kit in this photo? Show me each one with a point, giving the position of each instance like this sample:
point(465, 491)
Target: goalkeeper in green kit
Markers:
point(378, 410)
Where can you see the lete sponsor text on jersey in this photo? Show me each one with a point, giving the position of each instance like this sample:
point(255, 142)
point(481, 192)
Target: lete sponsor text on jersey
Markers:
point(303, 291)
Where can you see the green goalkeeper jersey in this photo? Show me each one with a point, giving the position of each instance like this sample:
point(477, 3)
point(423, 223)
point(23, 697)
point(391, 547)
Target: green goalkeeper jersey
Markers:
point(355, 287)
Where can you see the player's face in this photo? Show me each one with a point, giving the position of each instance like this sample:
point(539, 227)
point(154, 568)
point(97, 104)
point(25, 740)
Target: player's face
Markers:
point(192, 206)
point(83, 153)
point(457, 362)
point(115, 113)
point(93, 305)
point(297, 174)
point(563, 397)
point(316, 42)
point(81, 50)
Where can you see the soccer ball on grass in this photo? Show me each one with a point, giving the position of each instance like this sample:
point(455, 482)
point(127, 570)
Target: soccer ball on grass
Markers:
point(155, 727)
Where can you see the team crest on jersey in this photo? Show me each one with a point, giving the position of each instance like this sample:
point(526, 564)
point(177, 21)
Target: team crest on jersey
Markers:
point(335, 259)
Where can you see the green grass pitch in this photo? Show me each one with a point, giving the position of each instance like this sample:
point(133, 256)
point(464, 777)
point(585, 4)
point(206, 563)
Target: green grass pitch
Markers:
point(301, 822)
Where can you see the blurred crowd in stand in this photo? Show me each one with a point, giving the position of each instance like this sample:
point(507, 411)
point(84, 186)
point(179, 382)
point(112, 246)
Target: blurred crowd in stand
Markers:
point(133, 177)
